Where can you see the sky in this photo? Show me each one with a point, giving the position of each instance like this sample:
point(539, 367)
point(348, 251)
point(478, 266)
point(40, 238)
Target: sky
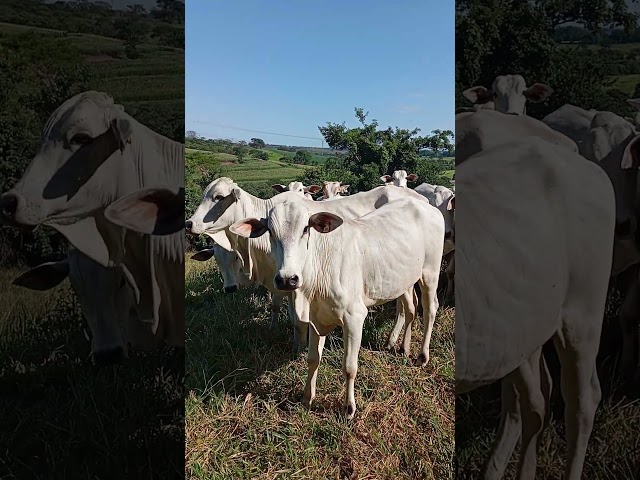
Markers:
point(287, 66)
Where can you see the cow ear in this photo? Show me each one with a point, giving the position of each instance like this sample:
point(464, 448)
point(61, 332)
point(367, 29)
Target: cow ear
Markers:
point(44, 276)
point(249, 228)
point(314, 189)
point(538, 92)
point(325, 222)
point(279, 188)
point(412, 177)
point(152, 211)
point(634, 102)
point(631, 154)
point(237, 193)
point(203, 255)
point(121, 129)
point(386, 178)
point(451, 204)
point(478, 95)
point(221, 239)
point(344, 188)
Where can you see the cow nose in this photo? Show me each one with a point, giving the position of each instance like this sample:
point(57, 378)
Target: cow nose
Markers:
point(113, 356)
point(231, 289)
point(293, 281)
point(188, 225)
point(8, 205)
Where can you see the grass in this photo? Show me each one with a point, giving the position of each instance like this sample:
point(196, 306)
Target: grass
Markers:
point(126, 419)
point(243, 418)
point(626, 83)
point(614, 446)
point(252, 170)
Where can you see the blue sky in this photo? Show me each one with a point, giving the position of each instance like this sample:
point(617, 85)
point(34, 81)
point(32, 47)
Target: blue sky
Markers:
point(288, 66)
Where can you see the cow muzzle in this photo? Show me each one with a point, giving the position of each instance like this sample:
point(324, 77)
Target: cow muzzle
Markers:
point(286, 283)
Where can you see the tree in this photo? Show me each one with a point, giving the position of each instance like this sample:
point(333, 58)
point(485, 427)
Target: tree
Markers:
point(191, 135)
point(170, 11)
point(302, 157)
point(257, 143)
point(240, 152)
point(263, 156)
point(371, 152)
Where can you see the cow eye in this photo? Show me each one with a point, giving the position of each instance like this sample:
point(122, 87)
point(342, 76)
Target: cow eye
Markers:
point(219, 197)
point(305, 231)
point(81, 139)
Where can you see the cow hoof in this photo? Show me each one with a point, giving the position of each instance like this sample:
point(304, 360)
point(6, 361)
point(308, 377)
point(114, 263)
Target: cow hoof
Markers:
point(306, 402)
point(350, 411)
point(422, 360)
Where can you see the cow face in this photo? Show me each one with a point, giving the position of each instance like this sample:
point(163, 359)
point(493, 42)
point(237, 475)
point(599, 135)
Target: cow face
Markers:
point(334, 189)
point(79, 167)
point(218, 209)
point(509, 94)
point(399, 178)
point(290, 226)
point(299, 188)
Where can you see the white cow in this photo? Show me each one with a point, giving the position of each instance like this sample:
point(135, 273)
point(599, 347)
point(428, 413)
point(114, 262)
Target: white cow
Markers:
point(509, 93)
point(332, 190)
point(340, 267)
point(531, 206)
point(481, 130)
point(225, 203)
point(230, 266)
point(299, 188)
point(399, 178)
point(439, 197)
point(107, 302)
point(92, 154)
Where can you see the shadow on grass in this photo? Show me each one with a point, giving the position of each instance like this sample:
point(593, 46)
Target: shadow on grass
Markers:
point(63, 417)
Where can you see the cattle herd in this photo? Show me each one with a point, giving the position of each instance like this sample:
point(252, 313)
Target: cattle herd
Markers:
point(549, 216)
point(330, 257)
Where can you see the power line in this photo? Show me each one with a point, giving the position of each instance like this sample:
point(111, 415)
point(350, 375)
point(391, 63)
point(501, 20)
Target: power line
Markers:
point(254, 131)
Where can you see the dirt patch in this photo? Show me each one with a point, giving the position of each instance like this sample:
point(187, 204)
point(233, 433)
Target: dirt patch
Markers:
point(227, 163)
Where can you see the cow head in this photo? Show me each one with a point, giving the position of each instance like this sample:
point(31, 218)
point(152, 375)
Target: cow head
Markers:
point(80, 165)
point(334, 189)
point(299, 188)
point(399, 178)
point(290, 226)
point(230, 264)
point(509, 94)
point(218, 209)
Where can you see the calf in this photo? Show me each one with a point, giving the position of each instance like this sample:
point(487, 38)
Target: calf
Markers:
point(332, 190)
point(340, 267)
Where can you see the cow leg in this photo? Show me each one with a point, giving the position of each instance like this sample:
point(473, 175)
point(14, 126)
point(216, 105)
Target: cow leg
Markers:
point(410, 301)
point(316, 345)
point(581, 392)
point(508, 432)
point(428, 287)
point(532, 408)
point(352, 337)
point(628, 318)
point(276, 303)
point(400, 321)
point(449, 298)
point(299, 314)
